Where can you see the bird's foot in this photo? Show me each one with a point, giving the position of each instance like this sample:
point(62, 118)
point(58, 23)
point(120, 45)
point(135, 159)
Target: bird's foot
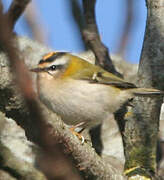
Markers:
point(78, 134)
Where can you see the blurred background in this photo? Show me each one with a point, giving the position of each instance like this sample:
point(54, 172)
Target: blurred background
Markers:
point(121, 25)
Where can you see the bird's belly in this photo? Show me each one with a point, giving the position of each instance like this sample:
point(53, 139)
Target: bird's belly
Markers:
point(82, 102)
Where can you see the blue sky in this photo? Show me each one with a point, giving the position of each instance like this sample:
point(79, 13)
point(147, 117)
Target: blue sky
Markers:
point(63, 34)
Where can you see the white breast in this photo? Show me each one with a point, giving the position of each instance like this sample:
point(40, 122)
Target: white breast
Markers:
point(80, 101)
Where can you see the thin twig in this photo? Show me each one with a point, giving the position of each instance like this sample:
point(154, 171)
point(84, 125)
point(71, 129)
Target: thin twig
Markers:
point(77, 13)
point(16, 9)
point(78, 17)
point(92, 38)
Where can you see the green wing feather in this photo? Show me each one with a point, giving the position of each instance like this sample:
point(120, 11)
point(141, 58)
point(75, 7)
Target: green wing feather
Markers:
point(104, 78)
point(83, 70)
point(95, 74)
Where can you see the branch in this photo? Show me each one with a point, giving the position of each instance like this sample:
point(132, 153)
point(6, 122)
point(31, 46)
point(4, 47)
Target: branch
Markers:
point(142, 121)
point(77, 14)
point(78, 17)
point(92, 38)
point(16, 9)
point(14, 166)
point(87, 160)
point(5, 175)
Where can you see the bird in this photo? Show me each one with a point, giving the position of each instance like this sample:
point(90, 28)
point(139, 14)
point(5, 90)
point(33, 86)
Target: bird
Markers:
point(81, 93)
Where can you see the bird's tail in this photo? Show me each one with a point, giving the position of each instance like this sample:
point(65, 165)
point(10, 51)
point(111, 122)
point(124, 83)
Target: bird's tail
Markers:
point(147, 92)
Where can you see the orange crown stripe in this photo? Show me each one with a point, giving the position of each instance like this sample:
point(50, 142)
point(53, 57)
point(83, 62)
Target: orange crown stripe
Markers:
point(48, 55)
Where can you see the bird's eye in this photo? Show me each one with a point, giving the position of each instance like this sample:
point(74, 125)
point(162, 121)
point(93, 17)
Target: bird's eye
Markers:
point(52, 68)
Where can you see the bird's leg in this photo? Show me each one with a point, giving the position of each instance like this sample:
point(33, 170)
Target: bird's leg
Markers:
point(78, 134)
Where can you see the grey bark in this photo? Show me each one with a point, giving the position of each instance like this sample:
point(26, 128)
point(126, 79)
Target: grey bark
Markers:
point(142, 122)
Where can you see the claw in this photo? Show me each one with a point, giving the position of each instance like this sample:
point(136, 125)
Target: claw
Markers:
point(77, 134)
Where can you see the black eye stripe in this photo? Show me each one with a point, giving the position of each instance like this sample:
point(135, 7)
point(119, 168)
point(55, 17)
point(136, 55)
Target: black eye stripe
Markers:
point(53, 68)
point(52, 58)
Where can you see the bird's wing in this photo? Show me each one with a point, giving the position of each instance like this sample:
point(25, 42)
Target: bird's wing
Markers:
point(106, 78)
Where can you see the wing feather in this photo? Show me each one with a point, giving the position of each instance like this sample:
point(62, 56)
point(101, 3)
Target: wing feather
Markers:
point(104, 78)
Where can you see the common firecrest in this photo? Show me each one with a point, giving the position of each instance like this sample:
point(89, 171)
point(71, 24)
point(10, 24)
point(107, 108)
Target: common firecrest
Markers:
point(80, 92)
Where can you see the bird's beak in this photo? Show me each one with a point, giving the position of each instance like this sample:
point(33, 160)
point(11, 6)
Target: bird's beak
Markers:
point(36, 70)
